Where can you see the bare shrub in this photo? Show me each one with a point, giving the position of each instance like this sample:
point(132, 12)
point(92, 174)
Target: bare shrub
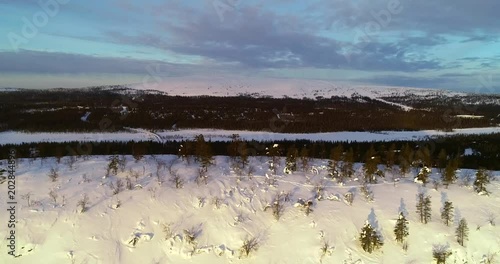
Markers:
point(159, 178)
point(305, 206)
point(278, 206)
point(27, 197)
point(249, 245)
point(169, 166)
point(367, 193)
point(118, 187)
point(349, 198)
point(467, 178)
point(201, 201)
point(251, 171)
point(217, 202)
point(152, 192)
point(167, 231)
point(440, 253)
point(134, 174)
point(202, 176)
point(128, 183)
point(491, 218)
point(122, 163)
point(319, 190)
point(53, 174)
point(71, 162)
point(53, 195)
point(325, 250)
point(85, 178)
point(489, 258)
point(83, 203)
point(190, 235)
point(270, 180)
point(435, 184)
point(177, 180)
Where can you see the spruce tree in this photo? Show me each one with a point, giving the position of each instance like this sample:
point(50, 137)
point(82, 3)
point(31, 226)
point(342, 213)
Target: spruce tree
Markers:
point(482, 179)
point(442, 159)
point(369, 238)
point(273, 152)
point(447, 213)
point(291, 159)
point(370, 166)
point(333, 163)
point(347, 166)
point(405, 159)
point(423, 175)
point(449, 175)
point(185, 150)
point(401, 228)
point(462, 232)
point(390, 156)
point(203, 152)
point(304, 158)
point(243, 151)
point(232, 148)
point(424, 207)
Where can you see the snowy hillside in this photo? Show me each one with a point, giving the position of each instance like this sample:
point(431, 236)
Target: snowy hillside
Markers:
point(146, 223)
point(279, 87)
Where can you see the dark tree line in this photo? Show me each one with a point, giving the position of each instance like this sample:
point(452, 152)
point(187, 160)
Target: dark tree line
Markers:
point(60, 110)
point(404, 154)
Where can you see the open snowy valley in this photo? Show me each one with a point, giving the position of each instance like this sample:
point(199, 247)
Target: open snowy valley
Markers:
point(173, 209)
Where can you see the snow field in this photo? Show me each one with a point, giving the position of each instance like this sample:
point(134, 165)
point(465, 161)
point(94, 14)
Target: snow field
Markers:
point(51, 232)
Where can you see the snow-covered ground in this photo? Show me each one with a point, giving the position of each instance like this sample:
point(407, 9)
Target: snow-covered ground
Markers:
point(15, 137)
point(55, 232)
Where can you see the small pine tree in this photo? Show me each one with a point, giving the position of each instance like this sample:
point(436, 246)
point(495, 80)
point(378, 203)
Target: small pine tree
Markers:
point(370, 166)
point(462, 232)
point(401, 228)
point(424, 207)
point(304, 158)
point(447, 213)
point(482, 179)
point(273, 152)
point(423, 175)
point(114, 161)
point(369, 238)
point(291, 159)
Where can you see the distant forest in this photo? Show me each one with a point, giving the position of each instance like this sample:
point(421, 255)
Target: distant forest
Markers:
point(473, 151)
point(117, 108)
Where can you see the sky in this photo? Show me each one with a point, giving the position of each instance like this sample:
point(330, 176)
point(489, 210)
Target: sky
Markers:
point(448, 44)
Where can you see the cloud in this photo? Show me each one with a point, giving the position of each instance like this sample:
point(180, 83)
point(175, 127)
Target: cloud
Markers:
point(258, 39)
point(26, 61)
point(431, 17)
